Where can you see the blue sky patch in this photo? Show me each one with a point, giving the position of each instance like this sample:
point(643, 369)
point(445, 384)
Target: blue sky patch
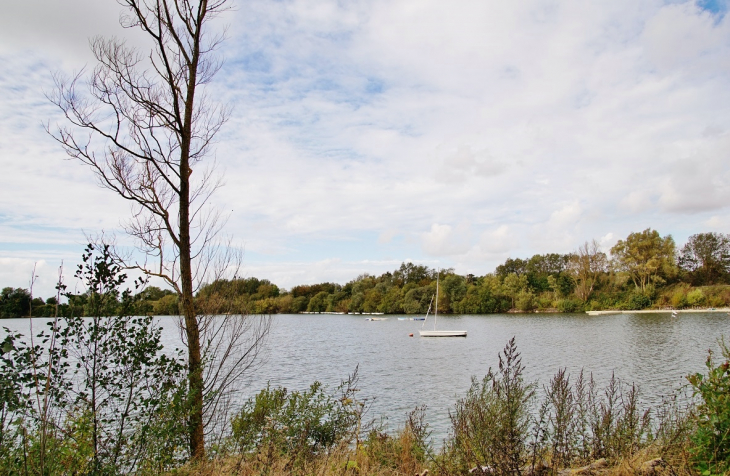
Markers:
point(716, 7)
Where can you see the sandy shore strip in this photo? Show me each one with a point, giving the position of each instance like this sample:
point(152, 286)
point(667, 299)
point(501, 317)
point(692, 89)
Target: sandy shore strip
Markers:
point(654, 311)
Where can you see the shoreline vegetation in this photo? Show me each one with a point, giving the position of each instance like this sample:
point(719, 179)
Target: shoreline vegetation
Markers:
point(503, 425)
point(643, 272)
point(102, 395)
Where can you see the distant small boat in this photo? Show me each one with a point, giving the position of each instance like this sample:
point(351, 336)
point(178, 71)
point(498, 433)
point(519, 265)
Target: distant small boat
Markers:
point(434, 332)
point(442, 333)
point(376, 318)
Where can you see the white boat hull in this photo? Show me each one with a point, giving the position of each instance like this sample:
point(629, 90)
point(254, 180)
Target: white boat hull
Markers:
point(442, 333)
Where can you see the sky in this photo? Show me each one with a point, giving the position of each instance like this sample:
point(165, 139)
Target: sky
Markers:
point(366, 133)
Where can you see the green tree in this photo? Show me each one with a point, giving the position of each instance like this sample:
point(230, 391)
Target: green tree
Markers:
point(513, 284)
point(410, 273)
point(391, 302)
point(373, 298)
point(646, 257)
point(167, 306)
point(511, 266)
point(706, 258)
point(417, 300)
point(540, 268)
point(357, 302)
point(586, 265)
point(453, 290)
point(525, 301)
point(319, 302)
point(14, 302)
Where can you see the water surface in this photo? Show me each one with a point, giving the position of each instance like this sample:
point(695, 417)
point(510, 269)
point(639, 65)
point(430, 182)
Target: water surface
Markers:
point(398, 372)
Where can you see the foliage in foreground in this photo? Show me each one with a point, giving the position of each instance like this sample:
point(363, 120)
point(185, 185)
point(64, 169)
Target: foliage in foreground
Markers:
point(502, 426)
point(297, 426)
point(711, 439)
point(91, 396)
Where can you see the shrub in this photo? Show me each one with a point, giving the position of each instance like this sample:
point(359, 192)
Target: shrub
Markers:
point(638, 300)
point(544, 301)
point(297, 425)
point(595, 306)
point(500, 427)
point(696, 297)
point(711, 440)
point(89, 395)
point(526, 301)
point(404, 452)
point(490, 424)
point(679, 299)
point(569, 305)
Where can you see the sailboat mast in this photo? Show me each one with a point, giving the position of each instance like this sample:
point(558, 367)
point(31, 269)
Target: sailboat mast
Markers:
point(436, 314)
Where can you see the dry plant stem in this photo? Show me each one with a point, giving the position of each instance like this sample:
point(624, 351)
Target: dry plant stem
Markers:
point(41, 408)
point(52, 347)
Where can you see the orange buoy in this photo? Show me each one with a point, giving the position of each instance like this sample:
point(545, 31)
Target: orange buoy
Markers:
point(410, 335)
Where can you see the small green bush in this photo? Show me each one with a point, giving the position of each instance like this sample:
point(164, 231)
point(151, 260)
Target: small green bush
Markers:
point(569, 305)
point(544, 301)
point(298, 425)
point(526, 301)
point(638, 300)
point(711, 440)
point(490, 425)
point(679, 299)
point(91, 395)
point(406, 451)
point(696, 297)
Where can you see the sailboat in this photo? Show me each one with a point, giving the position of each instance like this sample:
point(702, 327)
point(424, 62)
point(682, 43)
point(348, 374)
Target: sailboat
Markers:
point(434, 332)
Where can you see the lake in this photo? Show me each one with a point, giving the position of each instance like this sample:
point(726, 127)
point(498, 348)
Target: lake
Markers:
point(399, 372)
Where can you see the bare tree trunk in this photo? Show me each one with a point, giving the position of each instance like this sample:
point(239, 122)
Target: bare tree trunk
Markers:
point(195, 366)
point(141, 128)
point(195, 369)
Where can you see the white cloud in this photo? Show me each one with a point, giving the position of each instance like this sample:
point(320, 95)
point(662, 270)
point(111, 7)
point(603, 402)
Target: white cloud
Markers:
point(540, 124)
point(18, 272)
point(607, 242)
point(560, 231)
point(464, 164)
point(444, 240)
point(61, 29)
point(637, 201)
point(717, 223)
point(682, 38)
point(498, 241)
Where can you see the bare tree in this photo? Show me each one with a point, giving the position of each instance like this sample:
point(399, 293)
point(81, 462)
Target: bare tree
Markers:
point(141, 125)
point(586, 266)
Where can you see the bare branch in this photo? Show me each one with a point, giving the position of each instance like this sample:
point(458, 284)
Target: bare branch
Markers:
point(140, 122)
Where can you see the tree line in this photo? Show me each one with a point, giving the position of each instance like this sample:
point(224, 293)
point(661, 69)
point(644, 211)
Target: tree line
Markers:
point(641, 271)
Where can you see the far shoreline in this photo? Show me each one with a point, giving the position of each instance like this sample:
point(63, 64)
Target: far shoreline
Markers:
point(654, 311)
